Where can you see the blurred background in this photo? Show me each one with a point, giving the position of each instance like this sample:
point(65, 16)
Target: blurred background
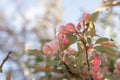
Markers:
point(28, 24)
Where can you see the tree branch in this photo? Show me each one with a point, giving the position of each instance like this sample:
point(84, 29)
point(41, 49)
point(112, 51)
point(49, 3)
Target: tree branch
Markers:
point(107, 6)
point(5, 60)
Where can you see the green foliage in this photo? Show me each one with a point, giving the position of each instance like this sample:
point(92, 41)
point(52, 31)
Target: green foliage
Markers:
point(102, 39)
point(72, 38)
point(94, 16)
point(39, 59)
point(112, 67)
point(89, 40)
point(111, 52)
point(91, 29)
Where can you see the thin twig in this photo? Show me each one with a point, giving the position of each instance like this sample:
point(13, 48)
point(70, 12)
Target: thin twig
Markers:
point(68, 69)
point(107, 6)
point(5, 59)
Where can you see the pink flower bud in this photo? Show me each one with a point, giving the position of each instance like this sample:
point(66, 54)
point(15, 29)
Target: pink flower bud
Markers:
point(70, 51)
point(117, 65)
point(70, 28)
point(106, 69)
point(60, 36)
point(104, 1)
point(96, 56)
point(95, 69)
point(47, 49)
point(85, 18)
point(96, 62)
point(65, 41)
point(79, 26)
point(62, 30)
point(55, 45)
point(116, 72)
point(97, 77)
point(90, 48)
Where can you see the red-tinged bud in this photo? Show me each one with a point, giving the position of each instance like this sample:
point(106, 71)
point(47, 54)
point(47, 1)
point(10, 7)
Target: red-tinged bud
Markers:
point(79, 26)
point(96, 62)
point(96, 56)
point(55, 45)
point(47, 49)
point(65, 41)
point(117, 64)
point(70, 51)
point(62, 30)
point(90, 48)
point(95, 69)
point(116, 72)
point(60, 36)
point(70, 28)
point(97, 77)
point(106, 69)
point(104, 1)
point(85, 18)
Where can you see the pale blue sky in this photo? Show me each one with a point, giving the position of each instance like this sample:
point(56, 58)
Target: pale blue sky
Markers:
point(73, 8)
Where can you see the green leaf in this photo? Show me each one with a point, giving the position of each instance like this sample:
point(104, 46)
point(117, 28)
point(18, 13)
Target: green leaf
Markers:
point(80, 46)
point(80, 55)
point(89, 40)
point(100, 40)
point(94, 16)
point(91, 30)
point(39, 59)
point(108, 44)
point(112, 62)
point(108, 51)
point(72, 38)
